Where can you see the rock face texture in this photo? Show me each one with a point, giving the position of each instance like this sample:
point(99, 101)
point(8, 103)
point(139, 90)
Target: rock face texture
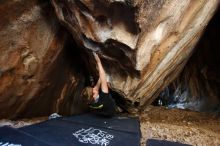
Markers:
point(198, 86)
point(143, 44)
point(34, 74)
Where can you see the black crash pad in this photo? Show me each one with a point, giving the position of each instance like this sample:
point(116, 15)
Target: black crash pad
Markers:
point(118, 123)
point(155, 142)
point(10, 136)
point(87, 130)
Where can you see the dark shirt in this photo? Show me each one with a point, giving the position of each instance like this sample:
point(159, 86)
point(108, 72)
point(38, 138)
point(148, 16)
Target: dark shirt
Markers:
point(109, 104)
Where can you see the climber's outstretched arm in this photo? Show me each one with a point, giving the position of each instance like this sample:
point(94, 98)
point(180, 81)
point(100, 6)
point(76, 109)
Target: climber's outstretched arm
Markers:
point(102, 77)
point(97, 86)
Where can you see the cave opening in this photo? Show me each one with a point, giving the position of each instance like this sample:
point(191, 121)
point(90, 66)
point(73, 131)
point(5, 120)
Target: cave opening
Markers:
point(198, 86)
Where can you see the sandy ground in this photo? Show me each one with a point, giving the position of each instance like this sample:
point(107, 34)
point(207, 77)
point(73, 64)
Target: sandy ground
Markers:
point(21, 123)
point(194, 128)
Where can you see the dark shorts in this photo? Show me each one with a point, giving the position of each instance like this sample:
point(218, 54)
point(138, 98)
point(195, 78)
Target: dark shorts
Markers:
point(109, 105)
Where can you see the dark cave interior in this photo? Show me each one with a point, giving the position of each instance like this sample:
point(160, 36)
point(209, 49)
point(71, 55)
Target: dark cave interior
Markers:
point(198, 86)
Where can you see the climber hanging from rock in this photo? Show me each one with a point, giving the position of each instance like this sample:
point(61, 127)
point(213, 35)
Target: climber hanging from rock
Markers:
point(102, 101)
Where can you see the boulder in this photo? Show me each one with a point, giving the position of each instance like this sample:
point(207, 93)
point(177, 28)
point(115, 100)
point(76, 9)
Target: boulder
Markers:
point(143, 45)
point(36, 73)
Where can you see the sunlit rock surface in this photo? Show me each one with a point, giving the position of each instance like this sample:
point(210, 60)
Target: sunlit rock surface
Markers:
point(143, 44)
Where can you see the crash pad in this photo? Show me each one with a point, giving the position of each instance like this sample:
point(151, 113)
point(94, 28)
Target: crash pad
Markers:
point(13, 137)
point(156, 142)
point(120, 123)
point(87, 130)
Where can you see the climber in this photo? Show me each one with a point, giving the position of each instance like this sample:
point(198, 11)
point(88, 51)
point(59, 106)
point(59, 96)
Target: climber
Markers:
point(102, 101)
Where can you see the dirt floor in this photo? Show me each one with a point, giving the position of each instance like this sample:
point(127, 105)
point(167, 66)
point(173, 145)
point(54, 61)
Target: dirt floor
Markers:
point(194, 128)
point(21, 123)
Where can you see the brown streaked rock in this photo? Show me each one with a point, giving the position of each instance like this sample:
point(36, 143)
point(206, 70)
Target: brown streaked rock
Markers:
point(37, 75)
point(143, 44)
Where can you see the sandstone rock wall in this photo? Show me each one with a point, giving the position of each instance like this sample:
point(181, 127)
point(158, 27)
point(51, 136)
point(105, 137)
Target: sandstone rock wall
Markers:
point(36, 77)
point(198, 86)
point(143, 44)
